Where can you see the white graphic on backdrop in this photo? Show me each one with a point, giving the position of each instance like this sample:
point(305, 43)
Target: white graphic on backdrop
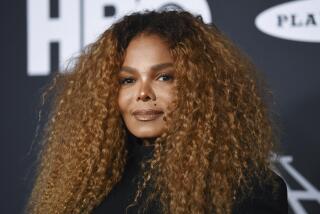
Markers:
point(295, 197)
point(295, 20)
point(79, 22)
point(41, 31)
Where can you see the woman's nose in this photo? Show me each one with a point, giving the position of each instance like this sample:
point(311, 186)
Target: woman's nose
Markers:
point(146, 92)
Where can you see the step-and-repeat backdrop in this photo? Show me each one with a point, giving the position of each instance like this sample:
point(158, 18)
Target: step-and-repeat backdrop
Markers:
point(281, 37)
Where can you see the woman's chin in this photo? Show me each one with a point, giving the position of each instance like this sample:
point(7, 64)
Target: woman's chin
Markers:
point(146, 136)
point(146, 133)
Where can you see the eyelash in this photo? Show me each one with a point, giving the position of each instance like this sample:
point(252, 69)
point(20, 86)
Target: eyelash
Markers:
point(166, 75)
point(122, 81)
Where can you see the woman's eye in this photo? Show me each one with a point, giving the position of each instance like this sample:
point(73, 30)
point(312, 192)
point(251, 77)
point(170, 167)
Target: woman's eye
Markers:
point(165, 77)
point(126, 80)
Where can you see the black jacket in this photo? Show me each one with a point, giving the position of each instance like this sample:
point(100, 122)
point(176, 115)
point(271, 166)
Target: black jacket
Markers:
point(261, 201)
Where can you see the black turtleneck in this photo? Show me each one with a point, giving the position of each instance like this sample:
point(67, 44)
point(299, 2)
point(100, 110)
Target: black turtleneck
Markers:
point(124, 191)
point(262, 199)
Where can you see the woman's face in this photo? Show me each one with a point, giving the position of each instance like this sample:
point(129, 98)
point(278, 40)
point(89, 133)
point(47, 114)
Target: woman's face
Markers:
point(147, 86)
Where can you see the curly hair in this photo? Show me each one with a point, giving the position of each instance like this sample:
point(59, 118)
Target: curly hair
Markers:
point(218, 140)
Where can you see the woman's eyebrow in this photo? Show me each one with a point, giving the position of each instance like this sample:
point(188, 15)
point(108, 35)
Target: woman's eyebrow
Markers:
point(161, 66)
point(156, 67)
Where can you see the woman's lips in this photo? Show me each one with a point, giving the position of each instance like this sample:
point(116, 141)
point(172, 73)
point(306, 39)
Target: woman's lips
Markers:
point(147, 114)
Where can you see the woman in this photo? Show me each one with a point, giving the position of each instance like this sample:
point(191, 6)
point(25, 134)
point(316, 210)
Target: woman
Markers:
point(165, 91)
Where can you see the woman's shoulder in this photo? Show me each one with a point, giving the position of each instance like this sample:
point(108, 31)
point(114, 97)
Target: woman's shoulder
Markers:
point(268, 197)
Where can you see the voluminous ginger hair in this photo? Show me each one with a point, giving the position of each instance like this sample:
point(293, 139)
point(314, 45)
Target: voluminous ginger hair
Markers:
point(218, 139)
